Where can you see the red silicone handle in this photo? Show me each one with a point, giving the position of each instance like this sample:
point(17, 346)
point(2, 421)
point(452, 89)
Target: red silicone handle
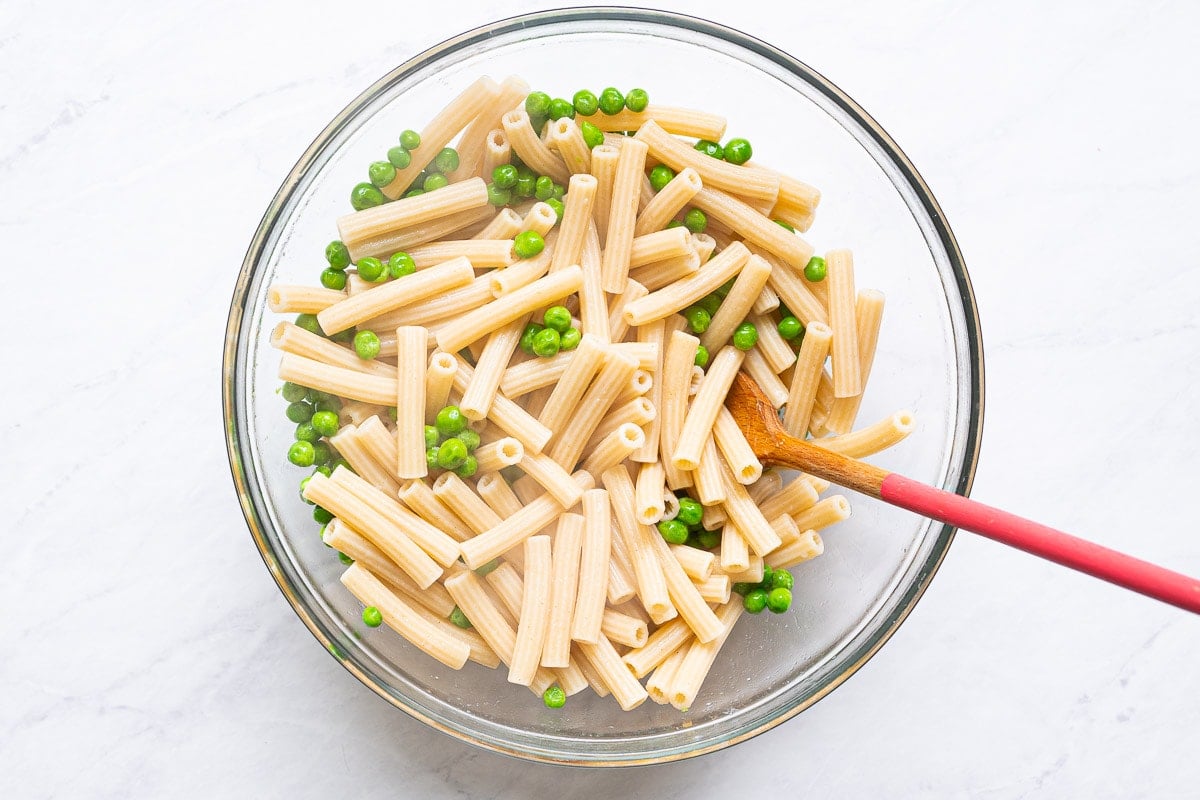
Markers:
point(1040, 540)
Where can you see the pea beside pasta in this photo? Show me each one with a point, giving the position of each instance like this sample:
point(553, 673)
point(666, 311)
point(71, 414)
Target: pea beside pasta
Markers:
point(509, 386)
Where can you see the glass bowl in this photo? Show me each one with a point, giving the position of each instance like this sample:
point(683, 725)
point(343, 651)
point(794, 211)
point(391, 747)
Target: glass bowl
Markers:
point(876, 564)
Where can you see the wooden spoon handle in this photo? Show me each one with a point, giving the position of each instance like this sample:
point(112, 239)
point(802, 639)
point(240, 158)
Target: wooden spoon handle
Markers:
point(1041, 540)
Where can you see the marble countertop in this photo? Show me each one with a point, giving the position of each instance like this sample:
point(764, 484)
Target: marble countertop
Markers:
point(148, 654)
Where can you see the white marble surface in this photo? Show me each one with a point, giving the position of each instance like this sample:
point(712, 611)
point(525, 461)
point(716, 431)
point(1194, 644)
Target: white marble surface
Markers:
point(146, 652)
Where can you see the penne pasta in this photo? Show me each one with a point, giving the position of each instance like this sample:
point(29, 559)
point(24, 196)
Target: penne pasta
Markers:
point(622, 216)
point(534, 613)
point(564, 589)
point(683, 293)
point(410, 404)
point(746, 181)
point(514, 529)
point(868, 314)
point(843, 347)
point(670, 201)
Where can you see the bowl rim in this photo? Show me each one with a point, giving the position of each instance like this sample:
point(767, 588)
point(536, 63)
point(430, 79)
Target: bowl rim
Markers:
point(231, 390)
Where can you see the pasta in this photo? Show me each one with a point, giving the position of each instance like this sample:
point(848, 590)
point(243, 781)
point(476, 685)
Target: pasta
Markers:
point(522, 373)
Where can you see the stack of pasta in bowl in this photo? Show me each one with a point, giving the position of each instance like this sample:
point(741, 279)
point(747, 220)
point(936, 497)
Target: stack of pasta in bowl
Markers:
point(550, 554)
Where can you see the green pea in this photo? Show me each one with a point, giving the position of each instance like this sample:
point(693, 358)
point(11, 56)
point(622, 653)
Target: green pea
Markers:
point(432, 437)
point(321, 515)
point(710, 303)
point(569, 339)
point(745, 336)
point(414, 193)
point(592, 136)
point(497, 196)
point(324, 469)
point(815, 270)
point(755, 601)
point(557, 317)
point(327, 402)
point(660, 176)
point(372, 617)
point(303, 486)
point(526, 182)
point(393, 413)
point(321, 452)
point(611, 101)
point(708, 539)
point(766, 578)
point(381, 173)
point(789, 328)
point(675, 223)
point(293, 392)
point(468, 468)
point(585, 102)
point(537, 104)
point(447, 160)
point(371, 269)
point(558, 207)
point(782, 579)
point(637, 100)
point(434, 181)
point(786, 226)
point(673, 531)
point(399, 158)
point(301, 453)
point(309, 323)
point(554, 697)
point(487, 568)
point(459, 618)
point(537, 123)
point(528, 244)
point(401, 264)
point(431, 457)
point(743, 588)
point(299, 412)
point(560, 108)
point(695, 220)
point(345, 559)
point(366, 195)
point(342, 337)
point(710, 148)
point(451, 453)
point(543, 187)
point(698, 319)
point(337, 254)
point(325, 423)
point(690, 512)
point(738, 151)
point(342, 463)
point(779, 600)
point(366, 345)
point(470, 438)
point(546, 343)
point(410, 140)
point(526, 341)
point(724, 288)
point(505, 176)
point(701, 356)
point(560, 192)
point(305, 432)
point(333, 279)
point(450, 421)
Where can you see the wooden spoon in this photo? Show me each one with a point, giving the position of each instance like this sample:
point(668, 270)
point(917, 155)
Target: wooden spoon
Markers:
point(760, 423)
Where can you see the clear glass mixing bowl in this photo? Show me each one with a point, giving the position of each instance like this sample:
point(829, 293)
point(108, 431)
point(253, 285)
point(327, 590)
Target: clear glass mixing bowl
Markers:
point(876, 565)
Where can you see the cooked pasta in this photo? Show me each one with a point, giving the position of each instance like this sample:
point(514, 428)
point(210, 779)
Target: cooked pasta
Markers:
point(522, 374)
